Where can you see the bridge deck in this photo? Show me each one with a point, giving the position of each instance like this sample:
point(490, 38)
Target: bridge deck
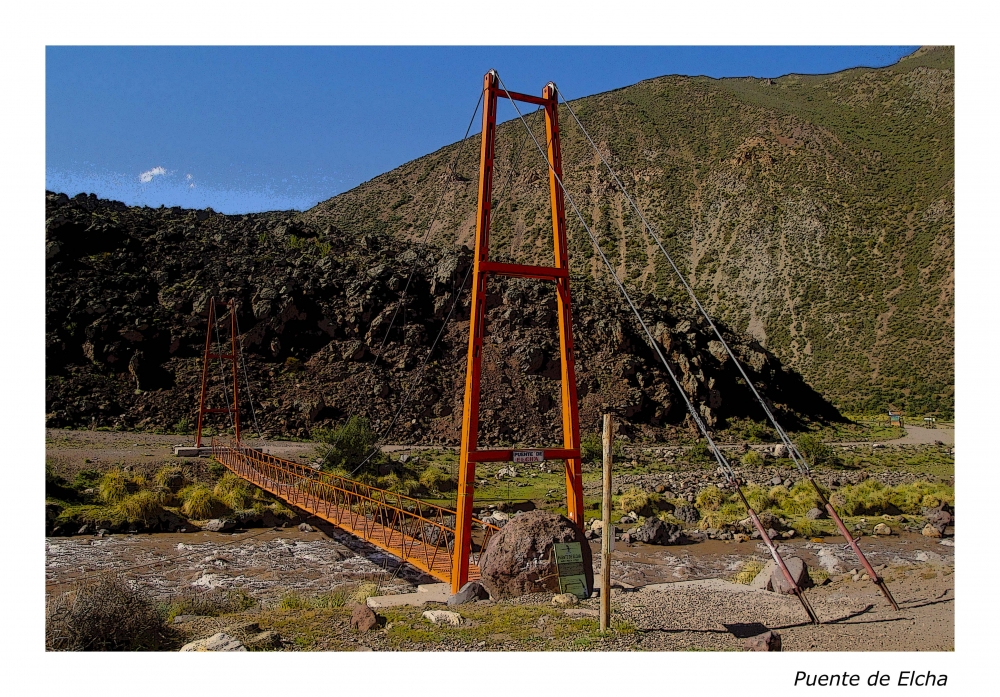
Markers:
point(419, 533)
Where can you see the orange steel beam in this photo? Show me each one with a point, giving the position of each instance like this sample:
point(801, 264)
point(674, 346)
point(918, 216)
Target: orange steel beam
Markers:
point(482, 269)
point(570, 413)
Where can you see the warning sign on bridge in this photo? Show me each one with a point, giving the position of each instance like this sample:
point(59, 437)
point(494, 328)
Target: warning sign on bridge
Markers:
point(529, 456)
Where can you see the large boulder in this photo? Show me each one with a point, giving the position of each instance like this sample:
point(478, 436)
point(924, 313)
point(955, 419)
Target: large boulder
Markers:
point(799, 571)
point(519, 560)
point(655, 532)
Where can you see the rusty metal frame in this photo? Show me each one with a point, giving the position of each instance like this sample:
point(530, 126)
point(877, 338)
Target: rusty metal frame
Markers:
point(483, 268)
point(415, 531)
point(209, 355)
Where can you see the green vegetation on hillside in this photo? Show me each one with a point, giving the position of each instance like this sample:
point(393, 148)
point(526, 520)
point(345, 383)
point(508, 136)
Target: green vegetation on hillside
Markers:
point(815, 213)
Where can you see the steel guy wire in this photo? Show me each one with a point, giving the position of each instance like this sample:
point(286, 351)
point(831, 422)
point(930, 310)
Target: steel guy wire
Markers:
point(724, 466)
point(452, 171)
point(793, 450)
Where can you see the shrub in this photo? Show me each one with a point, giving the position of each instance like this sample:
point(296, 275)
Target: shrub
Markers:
point(234, 492)
point(592, 448)
point(350, 445)
point(140, 507)
point(635, 500)
point(113, 486)
point(748, 572)
point(200, 503)
point(434, 479)
point(398, 485)
point(813, 449)
point(169, 476)
point(107, 614)
point(364, 591)
point(726, 514)
point(710, 498)
point(752, 459)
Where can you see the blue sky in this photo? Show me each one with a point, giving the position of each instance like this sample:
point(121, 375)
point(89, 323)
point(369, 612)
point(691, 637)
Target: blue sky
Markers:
point(244, 129)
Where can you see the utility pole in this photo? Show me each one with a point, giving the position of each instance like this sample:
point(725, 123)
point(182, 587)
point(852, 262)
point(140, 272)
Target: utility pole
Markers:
point(607, 532)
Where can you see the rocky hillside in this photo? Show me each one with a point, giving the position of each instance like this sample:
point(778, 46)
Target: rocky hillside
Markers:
point(126, 318)
point(814, 213)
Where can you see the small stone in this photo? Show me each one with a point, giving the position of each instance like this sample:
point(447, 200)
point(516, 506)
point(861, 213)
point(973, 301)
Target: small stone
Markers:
point(363, 618)
point(469, 593)
point(306, 527)
point(564, 600)
point(264, 641)
point(776, 481)
point(216, 642)
point(815, 514)
point(219, 525)
point(930, 531)
point(882, 529)
point(442, 617)
point(597, 526)
point(741, 537)
point(768, 641)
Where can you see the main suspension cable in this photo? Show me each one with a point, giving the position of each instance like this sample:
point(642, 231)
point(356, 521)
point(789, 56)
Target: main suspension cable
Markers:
point(797, 458)
point(724, 465)
point(793, 451)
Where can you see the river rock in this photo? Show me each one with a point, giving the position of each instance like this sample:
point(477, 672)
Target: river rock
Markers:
point(469, 593)
point(216, 642)
point(264, 641)
point(687, 514)
point(882, 529)
point(519, 560)
point(441, 617)
point(930, 530)
point(799, 571)
point(219, 525)
point(815, 514)
point(655, 532)
point(564, 600)
point(768, 641)
point(363, 618)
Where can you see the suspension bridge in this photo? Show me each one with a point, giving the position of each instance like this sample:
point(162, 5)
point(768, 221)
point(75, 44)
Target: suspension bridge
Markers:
point(448, 544)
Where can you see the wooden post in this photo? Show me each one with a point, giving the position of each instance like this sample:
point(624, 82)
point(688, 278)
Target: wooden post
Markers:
point(607, 533)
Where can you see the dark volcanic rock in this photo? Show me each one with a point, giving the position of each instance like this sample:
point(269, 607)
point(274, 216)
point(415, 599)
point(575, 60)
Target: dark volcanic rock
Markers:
point(518, 559)
point(127, 293)
point(655, 532)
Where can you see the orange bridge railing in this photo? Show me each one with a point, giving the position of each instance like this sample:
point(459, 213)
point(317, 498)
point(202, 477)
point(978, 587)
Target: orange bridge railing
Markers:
point(415, 531)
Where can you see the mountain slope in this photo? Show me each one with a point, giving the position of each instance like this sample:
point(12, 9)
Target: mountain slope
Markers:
point(815, 213)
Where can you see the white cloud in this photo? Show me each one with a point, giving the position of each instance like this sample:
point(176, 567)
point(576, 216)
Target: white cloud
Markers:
point(148, 175)
point(189, 177)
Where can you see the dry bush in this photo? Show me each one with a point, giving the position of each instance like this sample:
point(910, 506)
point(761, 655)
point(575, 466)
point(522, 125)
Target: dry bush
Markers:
point(106, 614)
point(140, 507)
point(236, 493)
point(434, 479)
point(200, 503)
point(113, 486)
